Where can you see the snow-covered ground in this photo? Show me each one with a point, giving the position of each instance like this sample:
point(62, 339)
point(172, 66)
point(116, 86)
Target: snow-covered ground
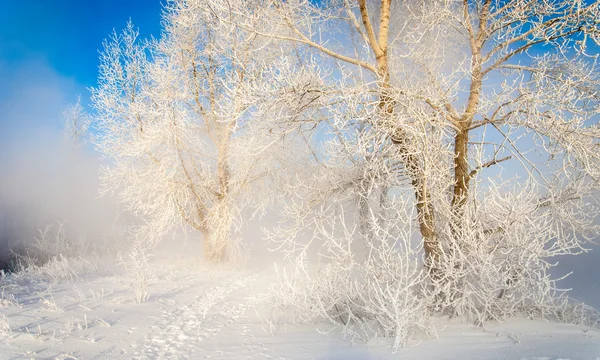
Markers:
point(200, 312)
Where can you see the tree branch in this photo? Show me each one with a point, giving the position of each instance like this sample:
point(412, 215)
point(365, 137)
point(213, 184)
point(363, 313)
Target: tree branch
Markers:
point(487, 165)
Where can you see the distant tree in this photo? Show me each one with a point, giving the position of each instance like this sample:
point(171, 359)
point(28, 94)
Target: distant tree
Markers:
point(76, 123)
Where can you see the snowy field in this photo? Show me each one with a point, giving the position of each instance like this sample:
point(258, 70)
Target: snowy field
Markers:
point(197, 312)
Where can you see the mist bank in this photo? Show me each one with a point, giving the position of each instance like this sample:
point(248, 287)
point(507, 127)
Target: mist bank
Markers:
point(46, 181)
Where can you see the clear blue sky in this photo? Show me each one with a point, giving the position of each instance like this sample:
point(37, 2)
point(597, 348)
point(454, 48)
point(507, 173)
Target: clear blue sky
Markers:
point(49, 55)
point(67, 34)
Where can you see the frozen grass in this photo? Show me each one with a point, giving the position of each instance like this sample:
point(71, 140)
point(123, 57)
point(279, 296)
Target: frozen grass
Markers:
point(4, 325)
point(56, 256)
point(137, 267)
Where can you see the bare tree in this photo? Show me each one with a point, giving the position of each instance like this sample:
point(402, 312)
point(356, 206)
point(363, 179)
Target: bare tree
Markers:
point(526, 91)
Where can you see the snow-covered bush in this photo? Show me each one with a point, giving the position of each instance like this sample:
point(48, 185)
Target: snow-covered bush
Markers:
point(369, 282)
point(372, 280)
point(50, 242)
point(56, 256)
point(137, 269)
point(364, 299)
point(497, 263)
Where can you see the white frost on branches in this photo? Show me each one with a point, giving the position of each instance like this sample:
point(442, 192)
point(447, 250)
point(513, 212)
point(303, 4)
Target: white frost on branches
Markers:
point(478, 121)
point(178, 118)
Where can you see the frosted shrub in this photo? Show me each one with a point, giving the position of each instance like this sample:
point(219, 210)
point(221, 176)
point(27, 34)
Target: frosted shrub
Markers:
point(362, 299)
point(56, 256)
point(4, 325)
point(497, 263)
point(51, 242)
point(373, 288)
point(575, 312)
point(138, 269)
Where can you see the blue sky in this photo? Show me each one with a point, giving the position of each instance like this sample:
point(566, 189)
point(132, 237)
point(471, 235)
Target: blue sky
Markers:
point(49, 54)
point(67, 34)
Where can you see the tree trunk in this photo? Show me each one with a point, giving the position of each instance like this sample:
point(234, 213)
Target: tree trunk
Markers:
point(378, 41)
point(425, 213)
point(461, 171)
point(217, 242)
point(216, 239)
point(208, 245)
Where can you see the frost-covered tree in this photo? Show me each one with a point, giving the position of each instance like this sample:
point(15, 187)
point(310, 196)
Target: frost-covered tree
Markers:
point(523, 92)
point(477, 119)
point(176, 117)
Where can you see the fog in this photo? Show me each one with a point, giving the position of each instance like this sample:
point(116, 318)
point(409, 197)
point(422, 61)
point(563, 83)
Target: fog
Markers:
point(44, 179)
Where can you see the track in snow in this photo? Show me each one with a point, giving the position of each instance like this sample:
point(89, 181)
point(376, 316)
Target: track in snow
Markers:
point(184, 329)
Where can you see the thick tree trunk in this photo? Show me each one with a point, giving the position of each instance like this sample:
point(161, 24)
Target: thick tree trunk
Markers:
point(426, 220)
point(207, 244)
point(425, 212)
point(461, 139)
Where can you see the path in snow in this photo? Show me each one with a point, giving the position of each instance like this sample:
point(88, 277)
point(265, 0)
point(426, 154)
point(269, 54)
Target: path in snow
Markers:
point(185, 330)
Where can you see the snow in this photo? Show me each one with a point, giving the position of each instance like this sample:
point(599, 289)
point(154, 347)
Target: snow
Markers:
point(198, 311)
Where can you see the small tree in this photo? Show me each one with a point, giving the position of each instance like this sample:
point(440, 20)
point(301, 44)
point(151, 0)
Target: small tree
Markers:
point(175, 116)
